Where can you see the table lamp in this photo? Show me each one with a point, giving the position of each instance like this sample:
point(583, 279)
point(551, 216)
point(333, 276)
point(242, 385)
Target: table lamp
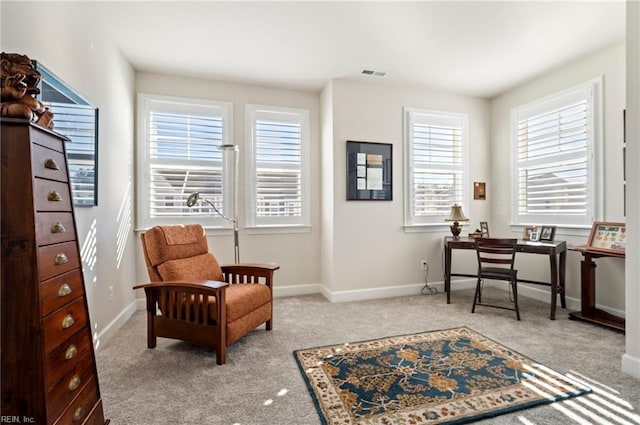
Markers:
point(456, 216)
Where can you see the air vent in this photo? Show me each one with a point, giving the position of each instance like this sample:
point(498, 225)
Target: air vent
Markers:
point(373, 73)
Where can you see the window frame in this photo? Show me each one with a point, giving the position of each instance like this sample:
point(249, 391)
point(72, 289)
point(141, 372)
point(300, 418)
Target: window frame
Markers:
point(435, 222)
point(594, 157)
point(144, 162)
point(287, 224)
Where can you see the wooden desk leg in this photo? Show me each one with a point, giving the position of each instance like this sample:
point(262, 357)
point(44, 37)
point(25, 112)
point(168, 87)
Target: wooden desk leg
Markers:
point(553, 262)
point(447, 272)
point(588, 287)
point(562, 274)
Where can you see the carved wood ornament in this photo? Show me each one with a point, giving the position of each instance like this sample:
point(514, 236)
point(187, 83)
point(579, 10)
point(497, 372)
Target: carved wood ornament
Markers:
point(19, 85)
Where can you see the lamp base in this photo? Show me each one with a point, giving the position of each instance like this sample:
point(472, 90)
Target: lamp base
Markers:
point(456, 229)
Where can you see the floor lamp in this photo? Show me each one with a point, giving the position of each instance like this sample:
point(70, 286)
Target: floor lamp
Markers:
point(230, 169)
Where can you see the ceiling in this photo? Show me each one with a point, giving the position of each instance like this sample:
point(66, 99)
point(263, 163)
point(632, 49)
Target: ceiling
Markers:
point(472, 48)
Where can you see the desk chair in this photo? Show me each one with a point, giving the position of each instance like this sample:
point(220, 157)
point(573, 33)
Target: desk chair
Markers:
point(496, 258)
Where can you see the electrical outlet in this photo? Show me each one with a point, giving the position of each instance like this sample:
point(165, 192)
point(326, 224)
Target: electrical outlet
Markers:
point(110, 293)
point(424, 265)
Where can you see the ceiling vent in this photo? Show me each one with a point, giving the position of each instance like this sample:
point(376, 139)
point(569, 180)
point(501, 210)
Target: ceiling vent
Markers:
point(373, 73)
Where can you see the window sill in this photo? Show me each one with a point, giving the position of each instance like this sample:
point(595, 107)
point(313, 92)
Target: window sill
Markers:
point(434, 228)
point(564, 230)
point(271, 230)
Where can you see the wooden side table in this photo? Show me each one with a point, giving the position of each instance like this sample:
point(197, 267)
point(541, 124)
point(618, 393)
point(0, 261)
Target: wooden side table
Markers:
point(589, 312)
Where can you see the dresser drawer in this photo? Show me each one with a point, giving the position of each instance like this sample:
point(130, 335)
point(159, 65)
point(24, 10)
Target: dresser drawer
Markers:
point(49, 164)
point(54, 260)
point(56, 292)
point(69, 386)
point(51, 195)
point(42, 138)
point(52, 227)
point(96, 417)
point(65, 356)
point(79, 409)
point(63, 323)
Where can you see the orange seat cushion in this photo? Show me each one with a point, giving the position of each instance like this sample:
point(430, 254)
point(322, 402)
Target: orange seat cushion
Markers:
point(243, 298)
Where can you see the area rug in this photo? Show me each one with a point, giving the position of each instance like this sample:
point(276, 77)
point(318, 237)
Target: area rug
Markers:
point(450, 376)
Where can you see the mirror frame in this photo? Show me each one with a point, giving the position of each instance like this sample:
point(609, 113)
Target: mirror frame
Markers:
point(74, 98)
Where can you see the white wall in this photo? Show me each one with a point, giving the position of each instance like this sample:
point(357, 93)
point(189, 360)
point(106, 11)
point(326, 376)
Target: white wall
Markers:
point(631, 358)
point(296, 253)
point(86, 60)
point(371, 253)
point(609, 63)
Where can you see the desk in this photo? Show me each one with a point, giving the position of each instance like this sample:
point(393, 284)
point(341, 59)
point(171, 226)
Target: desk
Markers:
point(588, 311)
point(553, 249)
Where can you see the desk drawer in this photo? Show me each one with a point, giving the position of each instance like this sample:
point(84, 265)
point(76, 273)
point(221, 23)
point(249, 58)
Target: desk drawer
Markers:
point(54, 260)
point(63, 323)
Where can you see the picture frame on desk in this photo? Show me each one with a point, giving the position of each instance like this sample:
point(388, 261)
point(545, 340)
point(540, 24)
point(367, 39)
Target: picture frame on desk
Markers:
point(527, 231)
point(547, 233)
point(606, 236)
point(484, 229)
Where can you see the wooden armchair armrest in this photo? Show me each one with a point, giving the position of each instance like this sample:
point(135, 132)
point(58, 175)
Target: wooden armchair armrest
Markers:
point(250, 273)
point(211, 286)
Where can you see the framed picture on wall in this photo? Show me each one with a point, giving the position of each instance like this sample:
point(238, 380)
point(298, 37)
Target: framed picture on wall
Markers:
point(608, 237)
point(369, 171)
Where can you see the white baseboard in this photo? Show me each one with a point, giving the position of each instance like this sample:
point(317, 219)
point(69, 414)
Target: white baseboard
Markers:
point(405, 290)
point(631, 365)
point(109, 331)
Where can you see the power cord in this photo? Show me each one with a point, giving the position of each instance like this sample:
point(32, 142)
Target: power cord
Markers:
point(426, 289)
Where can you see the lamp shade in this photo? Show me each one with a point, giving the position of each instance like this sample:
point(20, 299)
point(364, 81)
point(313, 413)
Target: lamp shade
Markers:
point(456, 214)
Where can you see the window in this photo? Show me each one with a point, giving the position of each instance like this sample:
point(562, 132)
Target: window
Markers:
point(178, 154)
point(75, 118)
point(555, 142)
point(278, 172)
point(435, 163)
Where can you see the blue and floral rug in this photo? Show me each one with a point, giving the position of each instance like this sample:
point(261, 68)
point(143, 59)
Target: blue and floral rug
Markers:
point(451, 376)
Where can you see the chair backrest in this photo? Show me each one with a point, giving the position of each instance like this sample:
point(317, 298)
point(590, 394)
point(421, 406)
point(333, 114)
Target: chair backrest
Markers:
point(496, 252)
point(179, 252)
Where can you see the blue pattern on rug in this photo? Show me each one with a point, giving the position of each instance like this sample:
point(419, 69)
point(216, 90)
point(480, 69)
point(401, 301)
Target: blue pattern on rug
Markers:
point(450, 376)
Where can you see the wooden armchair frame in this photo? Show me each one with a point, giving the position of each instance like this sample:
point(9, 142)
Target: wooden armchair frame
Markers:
point(196, 311)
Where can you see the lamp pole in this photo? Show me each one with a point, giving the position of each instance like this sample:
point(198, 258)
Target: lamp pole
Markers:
point(232, 150)
point(228, 163)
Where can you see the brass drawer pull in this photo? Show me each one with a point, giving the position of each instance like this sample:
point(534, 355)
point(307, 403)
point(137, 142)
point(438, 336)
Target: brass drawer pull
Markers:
point(71, 352)
point(58, 228)
point(54, 196)
point(64, 290)
point(78, 414)
point(68, 321)
point(51, 164)
point(74, 383)
point(60, 259)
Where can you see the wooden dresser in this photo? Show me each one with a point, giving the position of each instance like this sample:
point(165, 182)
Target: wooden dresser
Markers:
point(48, 363)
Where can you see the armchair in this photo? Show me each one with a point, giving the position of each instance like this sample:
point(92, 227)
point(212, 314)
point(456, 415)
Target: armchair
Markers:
point(192, 298)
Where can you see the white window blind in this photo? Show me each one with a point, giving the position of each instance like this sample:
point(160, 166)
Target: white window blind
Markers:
point(554, 175)
point(181, 155)
point(436, 164)
point(279, 176)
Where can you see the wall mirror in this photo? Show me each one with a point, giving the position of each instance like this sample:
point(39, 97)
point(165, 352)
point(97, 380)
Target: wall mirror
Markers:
point(77, 119)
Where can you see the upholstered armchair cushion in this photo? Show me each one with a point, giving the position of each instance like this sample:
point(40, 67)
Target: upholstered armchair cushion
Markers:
point(174, 242)
point(200, 267)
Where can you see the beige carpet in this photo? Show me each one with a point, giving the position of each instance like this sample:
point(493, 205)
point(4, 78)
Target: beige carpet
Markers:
point(177, 383)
